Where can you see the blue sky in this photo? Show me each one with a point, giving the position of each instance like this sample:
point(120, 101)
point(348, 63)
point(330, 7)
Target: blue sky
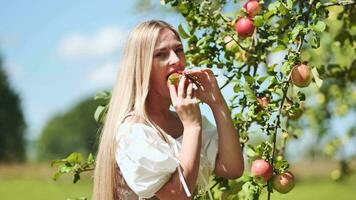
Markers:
point(58, 52)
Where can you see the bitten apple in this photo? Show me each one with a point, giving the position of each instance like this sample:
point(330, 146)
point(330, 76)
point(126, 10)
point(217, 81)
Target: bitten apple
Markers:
point(174, 78)
point(261, 170)
point(253, 8)
point(283, 182)
point(244, 27)
point(301, 75)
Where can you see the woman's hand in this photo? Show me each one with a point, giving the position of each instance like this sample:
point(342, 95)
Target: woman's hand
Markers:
point(209, 91)
point(185, 103)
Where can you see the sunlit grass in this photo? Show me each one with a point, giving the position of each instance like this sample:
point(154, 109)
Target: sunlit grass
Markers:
point(33, 182)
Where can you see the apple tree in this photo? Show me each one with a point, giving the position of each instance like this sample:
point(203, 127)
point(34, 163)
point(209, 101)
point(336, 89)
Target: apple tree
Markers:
point(240, 38)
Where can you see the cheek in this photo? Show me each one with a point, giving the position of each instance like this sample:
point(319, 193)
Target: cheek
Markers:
point(158, 73)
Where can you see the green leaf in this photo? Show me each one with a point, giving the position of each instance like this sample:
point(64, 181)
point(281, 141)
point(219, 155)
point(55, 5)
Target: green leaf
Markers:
point(75, 157)
point(64, 169)
point(295, 32)
point(289, 4)
point(273, 7)
point(258, 20)
point(317, 79)
point(102, 95)
point(319, 26)
point(250, 95)
point(58, 161)
point(182, 32)
point(100, 110)
point(250, 80)
point(251, 152)
point(90, 160)
point(237, 88)
point(279, 47)
point(56, 176)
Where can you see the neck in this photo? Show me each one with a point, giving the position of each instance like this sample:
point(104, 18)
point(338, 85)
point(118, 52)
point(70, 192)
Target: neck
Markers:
point(158, 105)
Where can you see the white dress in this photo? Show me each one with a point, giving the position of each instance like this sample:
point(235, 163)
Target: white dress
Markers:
point(147, 162)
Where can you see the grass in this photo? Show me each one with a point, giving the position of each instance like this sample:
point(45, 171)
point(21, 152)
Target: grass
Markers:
point(319, 188)
point(33, 182)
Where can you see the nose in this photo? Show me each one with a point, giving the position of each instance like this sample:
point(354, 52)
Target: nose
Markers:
point(173, 59)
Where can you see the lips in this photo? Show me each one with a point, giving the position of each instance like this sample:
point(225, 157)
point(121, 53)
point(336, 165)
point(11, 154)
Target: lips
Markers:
point(174, 71)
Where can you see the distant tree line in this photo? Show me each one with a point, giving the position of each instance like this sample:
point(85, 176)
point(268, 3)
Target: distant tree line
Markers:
point(72, 131)
point(12, 122)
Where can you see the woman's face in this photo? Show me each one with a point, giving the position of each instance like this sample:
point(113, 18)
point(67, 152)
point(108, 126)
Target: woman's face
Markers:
point(168, 57)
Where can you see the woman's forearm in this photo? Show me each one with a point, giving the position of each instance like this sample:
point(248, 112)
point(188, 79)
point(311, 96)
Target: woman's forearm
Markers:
point(190, 155)
point(189, 158)
point(230, 153)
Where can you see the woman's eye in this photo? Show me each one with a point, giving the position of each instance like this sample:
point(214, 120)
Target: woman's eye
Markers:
point(160, 54)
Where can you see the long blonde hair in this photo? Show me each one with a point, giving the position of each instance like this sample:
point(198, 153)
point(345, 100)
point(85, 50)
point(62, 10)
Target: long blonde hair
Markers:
point(129, 95)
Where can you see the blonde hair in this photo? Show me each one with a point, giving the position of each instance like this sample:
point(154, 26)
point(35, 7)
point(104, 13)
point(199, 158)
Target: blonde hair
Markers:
point(129, 95)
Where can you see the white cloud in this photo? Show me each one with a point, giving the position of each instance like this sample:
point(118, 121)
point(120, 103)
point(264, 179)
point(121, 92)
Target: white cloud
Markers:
point(102, 43)
point(104, 75)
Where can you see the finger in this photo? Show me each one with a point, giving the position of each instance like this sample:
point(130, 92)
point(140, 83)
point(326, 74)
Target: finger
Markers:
point(172, 92)
point(181, 85)
point(193, 71)
point(190, 90)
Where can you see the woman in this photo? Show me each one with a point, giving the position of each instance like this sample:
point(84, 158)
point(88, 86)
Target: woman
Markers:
point(148, 151)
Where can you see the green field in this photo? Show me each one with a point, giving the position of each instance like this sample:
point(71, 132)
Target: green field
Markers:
point(33, 182)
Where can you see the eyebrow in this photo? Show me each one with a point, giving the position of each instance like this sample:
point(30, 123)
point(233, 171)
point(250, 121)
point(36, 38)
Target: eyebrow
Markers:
point(165, 48)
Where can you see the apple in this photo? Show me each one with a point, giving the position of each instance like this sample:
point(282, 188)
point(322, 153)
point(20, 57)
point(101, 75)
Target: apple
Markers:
point(283, 182)
point(301, 75)
point(244, 27)
point(295, 114)
point(262, 102)
point(253, 8)
point(174, 78)
point(261, 170)
point(230, 44)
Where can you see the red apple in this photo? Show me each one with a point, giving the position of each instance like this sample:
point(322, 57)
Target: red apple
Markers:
point(301, 75)
point(261, 170)
point(244, 27)
point(284, 182)
point(252, 8)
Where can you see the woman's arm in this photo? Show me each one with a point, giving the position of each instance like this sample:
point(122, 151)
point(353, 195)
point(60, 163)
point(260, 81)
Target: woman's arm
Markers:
point(229, 162)
point(187, 108)
point(189, 158)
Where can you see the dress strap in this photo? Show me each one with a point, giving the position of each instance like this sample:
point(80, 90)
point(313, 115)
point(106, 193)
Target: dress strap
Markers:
point(181, 177)
point(128, 115)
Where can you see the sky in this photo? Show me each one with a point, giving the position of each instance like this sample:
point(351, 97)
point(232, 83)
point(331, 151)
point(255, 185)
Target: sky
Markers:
point(56, 53)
